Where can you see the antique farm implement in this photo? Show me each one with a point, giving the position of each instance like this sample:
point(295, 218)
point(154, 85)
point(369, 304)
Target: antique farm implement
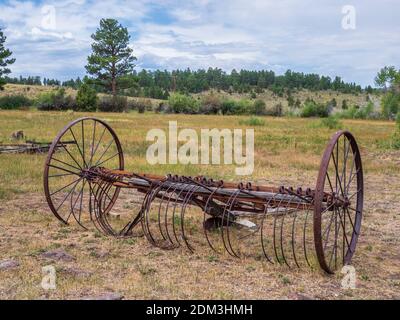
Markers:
point(29, 147)
point(285, 225)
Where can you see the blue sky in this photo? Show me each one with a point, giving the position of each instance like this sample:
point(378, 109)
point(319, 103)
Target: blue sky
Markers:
point(52, 38)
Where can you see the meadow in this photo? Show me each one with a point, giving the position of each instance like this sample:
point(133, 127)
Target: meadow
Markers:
point(287, 151)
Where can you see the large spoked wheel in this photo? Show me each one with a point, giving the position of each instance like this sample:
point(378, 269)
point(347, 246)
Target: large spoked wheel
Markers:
point(338, 202)
point(84, 144)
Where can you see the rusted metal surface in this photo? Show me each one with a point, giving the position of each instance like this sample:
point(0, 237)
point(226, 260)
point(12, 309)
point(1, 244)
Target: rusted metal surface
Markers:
point(297, 227)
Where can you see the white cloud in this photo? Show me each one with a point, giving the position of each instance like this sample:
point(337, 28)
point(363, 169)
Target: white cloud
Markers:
point(300, 35)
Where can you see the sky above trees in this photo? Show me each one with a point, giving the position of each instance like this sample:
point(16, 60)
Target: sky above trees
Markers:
point(52, 38)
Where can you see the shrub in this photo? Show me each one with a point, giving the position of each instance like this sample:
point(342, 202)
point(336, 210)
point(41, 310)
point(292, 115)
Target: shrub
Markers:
point(331, 123)
point(228, 106)
point(344, 104)
point(356, 112)
point(113, 104)
point(313, 109)
point(86, 98)
point(244, 106)
point(398, 120)
point(55, 100)
point(141, 105)
point(396, 135)
point(252, 121)
point(180, 103)
point(390, 104)
point(14, 102)
point(210, 104)
point(259, 107)
point(275, 111)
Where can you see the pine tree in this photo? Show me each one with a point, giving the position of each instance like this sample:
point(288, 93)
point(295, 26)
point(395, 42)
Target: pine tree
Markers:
point(5, 60)
point(111, 57)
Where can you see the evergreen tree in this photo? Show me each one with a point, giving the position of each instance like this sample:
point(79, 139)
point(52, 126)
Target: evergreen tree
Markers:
point(5, 60)
point(111, 57)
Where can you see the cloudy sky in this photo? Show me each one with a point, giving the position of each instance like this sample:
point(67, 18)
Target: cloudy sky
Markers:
point(52, 38)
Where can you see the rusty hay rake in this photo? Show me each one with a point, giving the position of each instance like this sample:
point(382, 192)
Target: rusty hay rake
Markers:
point(285, 225)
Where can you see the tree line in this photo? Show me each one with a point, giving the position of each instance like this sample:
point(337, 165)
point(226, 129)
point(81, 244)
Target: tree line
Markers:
point(159, 83)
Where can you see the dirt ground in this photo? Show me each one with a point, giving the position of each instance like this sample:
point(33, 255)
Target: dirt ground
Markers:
point(96, 265)
point(91, 265)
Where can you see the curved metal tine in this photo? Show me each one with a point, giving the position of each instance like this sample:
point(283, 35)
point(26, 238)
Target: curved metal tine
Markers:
point(99, 211)
point(178, 197)
point(81, 193)
point(159, 211)
point(171, 241)
point(274, 236)
point(262, 228)
point(160, 188)
point(281, 231)
point(227, 230)
point(204, 217)
point(231, 199)
point(294, 233)
point(102, 198)
point(187, 200)
point(145, 222)
point(108, 187)
point(304, 238)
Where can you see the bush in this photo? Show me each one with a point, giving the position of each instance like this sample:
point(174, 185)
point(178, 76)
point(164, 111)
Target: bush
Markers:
point(275, 111)
point(244, 106)
point(113, 104)
point(331, 123)
point(252, 121)
point(228, 106)
point(313, 109)
point(180, 103)
point(390, 104)
point(210, 104)
point(259, 107)
point(398, 121)
point(86, 98)
point(356, 112)
point(14, 102)
point(141, 105)
point(55, 100)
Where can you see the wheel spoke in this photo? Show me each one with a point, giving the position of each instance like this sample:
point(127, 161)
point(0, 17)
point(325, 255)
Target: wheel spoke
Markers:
point(98, 164)
point(53, 193)
point(63, 169)
point(108, 147)
point(79, 149)
point(93, 138)
point(67, 164)
point(58, 208)
point(98, 143)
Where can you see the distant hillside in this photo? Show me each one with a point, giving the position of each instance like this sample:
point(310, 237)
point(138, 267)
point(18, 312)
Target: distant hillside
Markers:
point(270, 98)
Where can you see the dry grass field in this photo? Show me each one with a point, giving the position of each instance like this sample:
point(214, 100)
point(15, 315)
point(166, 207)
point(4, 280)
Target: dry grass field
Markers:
point(287, 151)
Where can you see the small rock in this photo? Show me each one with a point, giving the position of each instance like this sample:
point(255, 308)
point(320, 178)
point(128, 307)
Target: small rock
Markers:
point(57, 254)
point(8, 264)
point(105, 296)
point(17, 135)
